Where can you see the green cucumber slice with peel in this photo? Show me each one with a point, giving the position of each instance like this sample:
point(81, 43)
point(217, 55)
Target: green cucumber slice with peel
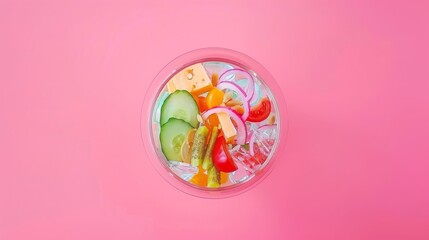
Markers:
point(208, 160)
point(180, 105)
point(213, 176)
point(173, 134)
point(198, 147)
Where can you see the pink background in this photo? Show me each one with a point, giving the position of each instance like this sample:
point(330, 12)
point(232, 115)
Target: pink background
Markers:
point(354, 73)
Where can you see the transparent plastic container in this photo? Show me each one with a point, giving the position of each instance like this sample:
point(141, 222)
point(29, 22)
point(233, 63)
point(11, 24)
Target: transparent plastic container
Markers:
point(266, 138)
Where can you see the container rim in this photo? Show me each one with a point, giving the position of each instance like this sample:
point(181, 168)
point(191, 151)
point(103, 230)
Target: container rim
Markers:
point(176, 65)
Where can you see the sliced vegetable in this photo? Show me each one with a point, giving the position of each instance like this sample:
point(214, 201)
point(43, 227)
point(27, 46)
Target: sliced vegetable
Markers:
point(267, 127)
point(226, 85)
point(215, 79)
point(213, 178)
point(199, 179)
point(223, 177)
point(261, 111)
point(240, 74)
point(172, 136)
point(257, 93)
point(197, 150)
point(253, 137)
point(191, 136)
point(212, 121)
point(208, 160)
point(214, 97)
point(241, 127)
point(180, 105)
point(185, 152)
point(201, 101)
point(222, 158)
point(260, 153)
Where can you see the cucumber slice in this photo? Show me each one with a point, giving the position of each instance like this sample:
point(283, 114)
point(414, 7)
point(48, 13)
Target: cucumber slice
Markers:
point(198, 147)
point(208, 160)
point(173, 134)
point(181, 105)
point(213, 176)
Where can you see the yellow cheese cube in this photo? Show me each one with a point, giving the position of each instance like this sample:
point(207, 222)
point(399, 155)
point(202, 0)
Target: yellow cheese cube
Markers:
point(228, 129)
point(193, 79)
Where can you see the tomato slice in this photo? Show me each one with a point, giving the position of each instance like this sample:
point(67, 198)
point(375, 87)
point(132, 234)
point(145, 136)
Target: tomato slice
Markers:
point(261, 111)
point(221, 157)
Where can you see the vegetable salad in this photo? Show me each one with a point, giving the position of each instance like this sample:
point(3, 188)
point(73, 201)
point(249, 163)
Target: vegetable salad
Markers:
point(215, 124)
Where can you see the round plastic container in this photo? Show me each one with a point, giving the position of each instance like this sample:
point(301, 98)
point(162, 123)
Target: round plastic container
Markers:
point(220, 62)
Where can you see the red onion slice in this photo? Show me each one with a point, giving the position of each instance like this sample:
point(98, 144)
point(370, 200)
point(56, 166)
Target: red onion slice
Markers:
point(267, 127)
point(250, 90)
point(241, 126)
point(241, 94)
point(253, 136)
